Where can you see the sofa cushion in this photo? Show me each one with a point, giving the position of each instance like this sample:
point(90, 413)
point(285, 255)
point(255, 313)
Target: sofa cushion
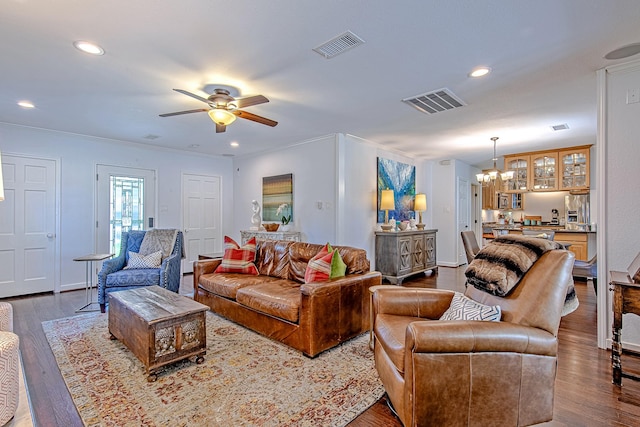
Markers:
point(278, 298)
point(152, 260)
point(464, 308)
point(227, 284)
point(238, 259)
point(338, 267)
point(392, 330)
point(272, 258)
point(134, 277)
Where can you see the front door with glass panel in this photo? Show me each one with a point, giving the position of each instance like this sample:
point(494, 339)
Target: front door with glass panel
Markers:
point(126, 202)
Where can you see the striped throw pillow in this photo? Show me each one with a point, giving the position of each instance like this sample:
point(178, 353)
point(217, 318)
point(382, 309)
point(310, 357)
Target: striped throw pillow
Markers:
point(238, 259)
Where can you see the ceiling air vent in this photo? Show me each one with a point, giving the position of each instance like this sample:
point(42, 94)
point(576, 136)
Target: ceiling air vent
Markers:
point(435, 101)
point(563, 126)
point(338, 45)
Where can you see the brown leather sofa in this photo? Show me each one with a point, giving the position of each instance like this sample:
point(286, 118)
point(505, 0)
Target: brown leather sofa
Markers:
point(454, 373)
point(310, 317)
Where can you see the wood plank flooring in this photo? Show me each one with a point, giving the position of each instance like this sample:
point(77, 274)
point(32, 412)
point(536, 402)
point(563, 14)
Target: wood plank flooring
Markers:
point(584, 393)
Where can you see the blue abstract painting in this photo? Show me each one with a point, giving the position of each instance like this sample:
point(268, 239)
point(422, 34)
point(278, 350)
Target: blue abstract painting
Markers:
point(401, 178)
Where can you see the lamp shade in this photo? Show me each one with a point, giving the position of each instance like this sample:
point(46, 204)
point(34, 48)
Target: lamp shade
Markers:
point(1, 181)
point(221, 117)
point(386, 200)
point(420, 203)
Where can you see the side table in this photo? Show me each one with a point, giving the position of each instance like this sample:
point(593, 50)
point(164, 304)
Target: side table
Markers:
point(88, 280)
point(626, 299)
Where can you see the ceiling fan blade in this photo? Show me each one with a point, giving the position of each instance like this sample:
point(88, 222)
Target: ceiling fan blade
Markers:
point(220, 128)
point(199, 110)
point(193, 95)
point(255, 118)
point(248, 101)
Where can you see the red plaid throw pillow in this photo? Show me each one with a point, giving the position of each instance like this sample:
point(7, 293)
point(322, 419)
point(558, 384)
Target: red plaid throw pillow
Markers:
point(238, 259)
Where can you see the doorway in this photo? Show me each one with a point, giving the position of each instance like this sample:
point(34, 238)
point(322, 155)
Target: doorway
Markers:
point(201, 217)
point(28, 224)
point(125, 202)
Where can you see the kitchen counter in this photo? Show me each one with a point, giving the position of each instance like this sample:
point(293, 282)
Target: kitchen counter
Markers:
point(581, 242)
point(537, 227)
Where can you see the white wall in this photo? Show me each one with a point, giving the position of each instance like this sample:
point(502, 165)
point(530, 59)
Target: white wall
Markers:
point(337, 170)
point(77, 157)
point(620, 195)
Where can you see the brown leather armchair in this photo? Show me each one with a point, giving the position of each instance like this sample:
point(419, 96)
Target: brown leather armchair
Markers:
point(472, 372)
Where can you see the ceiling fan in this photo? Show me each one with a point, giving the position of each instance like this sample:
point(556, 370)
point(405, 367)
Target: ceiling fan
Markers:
point(225, 108)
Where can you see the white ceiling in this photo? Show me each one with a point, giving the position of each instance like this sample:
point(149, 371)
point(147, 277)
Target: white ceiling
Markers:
point(544, 55)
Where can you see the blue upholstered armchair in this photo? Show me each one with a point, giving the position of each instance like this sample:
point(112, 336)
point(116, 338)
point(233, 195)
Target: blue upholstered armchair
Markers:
point(114, 277)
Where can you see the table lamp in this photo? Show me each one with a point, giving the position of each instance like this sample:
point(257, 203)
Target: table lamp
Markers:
point(420, 205)
point(387, 203)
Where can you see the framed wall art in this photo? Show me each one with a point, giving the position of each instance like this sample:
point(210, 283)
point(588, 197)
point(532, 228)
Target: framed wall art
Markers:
point(401, 178)
point(277, 191)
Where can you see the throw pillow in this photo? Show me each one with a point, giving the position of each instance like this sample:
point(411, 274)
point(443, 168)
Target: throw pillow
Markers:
point(338, 267)
point(464, 308)
point(136, 260)
point(319, 267)
point(238, 259)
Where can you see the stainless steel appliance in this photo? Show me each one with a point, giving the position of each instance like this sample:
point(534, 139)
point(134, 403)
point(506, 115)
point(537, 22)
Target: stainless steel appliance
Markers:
point(576, 209)
point(554, 217)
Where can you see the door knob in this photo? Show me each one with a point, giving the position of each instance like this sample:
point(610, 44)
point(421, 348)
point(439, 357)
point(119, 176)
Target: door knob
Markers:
point(50, 235)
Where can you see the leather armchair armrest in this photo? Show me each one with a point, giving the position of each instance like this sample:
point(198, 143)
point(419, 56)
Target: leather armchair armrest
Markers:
point(478, 336)
point(424, 303)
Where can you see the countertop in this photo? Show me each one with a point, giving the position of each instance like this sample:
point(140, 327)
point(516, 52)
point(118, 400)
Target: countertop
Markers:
point(534, 227)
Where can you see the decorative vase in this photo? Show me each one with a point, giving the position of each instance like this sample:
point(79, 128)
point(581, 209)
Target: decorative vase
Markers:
point(285, 227)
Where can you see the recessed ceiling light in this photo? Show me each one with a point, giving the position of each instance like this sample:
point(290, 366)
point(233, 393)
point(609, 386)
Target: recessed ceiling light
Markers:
point(480, 71)
point(88, 47)
point(234, 144)
point(624, 51)
point(26, 104)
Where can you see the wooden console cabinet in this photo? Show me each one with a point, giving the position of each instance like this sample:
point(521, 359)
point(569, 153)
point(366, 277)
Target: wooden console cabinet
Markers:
point(404, 253)
point(270, 235)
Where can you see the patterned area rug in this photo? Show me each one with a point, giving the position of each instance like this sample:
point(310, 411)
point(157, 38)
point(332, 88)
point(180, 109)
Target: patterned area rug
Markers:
point(246, 380)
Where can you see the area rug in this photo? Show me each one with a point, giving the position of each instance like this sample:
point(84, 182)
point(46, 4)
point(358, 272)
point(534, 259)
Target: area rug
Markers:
point(245, 380)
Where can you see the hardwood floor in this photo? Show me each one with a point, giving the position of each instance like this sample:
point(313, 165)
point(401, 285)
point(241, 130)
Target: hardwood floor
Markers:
point(584, 394)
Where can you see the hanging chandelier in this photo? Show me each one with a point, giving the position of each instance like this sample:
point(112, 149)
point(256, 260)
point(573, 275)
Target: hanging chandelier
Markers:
point(492, 175)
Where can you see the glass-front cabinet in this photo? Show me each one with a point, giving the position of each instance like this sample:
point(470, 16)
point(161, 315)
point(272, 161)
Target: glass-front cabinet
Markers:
point(574, 164)
point(544, 172)
point(519, 165)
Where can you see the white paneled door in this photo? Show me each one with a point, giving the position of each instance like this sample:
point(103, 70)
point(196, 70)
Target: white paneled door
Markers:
point(27, 226)
point(201, 217)
point(464, 217)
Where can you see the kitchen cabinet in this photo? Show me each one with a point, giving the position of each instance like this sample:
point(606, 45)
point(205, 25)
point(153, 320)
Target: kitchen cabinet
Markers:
point(579, 243)
point(544, 172)
point(404, 253)
point(553, 170)
point(574, 164)
point(520, 165)
point(490, 193)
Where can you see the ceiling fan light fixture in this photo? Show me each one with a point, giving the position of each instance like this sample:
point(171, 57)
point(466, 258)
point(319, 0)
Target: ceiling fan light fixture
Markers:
point(221, 117)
